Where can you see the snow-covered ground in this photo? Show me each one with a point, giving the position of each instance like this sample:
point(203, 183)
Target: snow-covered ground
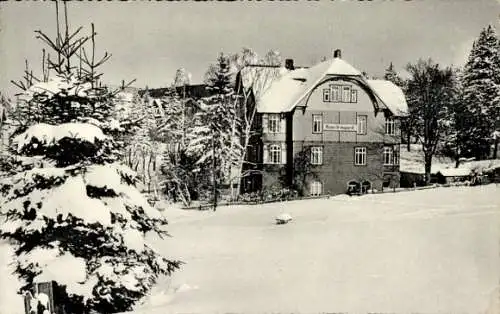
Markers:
point(425, 251)
point(413, 161)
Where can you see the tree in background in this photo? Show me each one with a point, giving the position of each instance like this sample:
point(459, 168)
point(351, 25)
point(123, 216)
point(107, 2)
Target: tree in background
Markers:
point(430, 92)
point(182, 78)
point(251, 83)
point(214, 139)
point(71, 210)
point(273, 57)
point(481, 96)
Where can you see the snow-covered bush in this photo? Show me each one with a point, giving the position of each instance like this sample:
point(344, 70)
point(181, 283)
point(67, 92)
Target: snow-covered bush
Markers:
point(69, 208)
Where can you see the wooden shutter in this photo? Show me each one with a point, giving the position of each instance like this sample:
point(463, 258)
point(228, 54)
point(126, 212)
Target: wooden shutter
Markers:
point(265, 149)
point(283, 153)
point(265, 120)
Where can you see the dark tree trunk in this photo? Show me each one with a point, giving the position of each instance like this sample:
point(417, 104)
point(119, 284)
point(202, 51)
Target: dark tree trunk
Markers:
point(495, 148)
point(408, 141)
point(428, 164)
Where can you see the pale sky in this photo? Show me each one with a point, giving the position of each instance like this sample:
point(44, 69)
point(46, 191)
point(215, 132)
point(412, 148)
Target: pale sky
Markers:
point(150, 40)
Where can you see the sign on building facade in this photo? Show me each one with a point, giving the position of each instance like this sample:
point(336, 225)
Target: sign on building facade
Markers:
point(340, 127)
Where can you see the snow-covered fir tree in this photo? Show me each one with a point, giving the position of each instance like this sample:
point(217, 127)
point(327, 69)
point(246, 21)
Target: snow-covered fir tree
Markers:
point(215, 136)
point(71, 209)
point(481, 95)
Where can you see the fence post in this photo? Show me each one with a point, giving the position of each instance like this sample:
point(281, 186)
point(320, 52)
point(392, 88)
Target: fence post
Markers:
point(40, 299)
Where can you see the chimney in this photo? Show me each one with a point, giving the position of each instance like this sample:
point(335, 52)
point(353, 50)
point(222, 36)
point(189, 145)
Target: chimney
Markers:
point(289, 64)
point(337, 54)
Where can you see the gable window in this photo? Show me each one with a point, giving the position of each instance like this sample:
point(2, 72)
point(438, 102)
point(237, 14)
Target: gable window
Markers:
point(346, 94)
point(361, 122)
point(315, 188)
point(274, 154)
point(317, 123)
point(326, 95)
point(360, 156)
point(336, 93)
point(317, 155)
point(354, 95)
point(388, 156)
point(390, 126)
point(340, 93)
point(274, 123)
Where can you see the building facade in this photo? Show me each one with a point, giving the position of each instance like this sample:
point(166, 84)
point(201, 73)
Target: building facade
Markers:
point(325, 130)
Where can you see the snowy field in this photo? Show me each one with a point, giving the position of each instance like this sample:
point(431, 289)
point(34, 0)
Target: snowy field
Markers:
point(413, 161)
point(429, 251)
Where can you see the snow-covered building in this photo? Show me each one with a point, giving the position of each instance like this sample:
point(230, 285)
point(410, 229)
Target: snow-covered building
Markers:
point(451, 175)
point(324, 128)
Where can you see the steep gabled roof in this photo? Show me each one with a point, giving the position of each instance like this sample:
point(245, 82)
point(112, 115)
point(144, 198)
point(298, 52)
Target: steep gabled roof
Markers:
point(392, 96)
point(285, 92)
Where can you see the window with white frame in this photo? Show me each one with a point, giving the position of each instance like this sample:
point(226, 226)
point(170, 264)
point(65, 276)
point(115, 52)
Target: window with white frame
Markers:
point(346, 93)
point(361, 122)
point(317, 155)
point(354, 95)
point(390, 126)
point(315, 188)
point(336, 93)
point(360, 156)
point(317, 123)
point(274, 154)
point(340, 93)
point(274, 122)
point(326, 95)
point(388, 155)
point(395, 154)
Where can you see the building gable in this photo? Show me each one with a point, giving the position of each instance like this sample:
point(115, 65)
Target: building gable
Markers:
point(293, 89)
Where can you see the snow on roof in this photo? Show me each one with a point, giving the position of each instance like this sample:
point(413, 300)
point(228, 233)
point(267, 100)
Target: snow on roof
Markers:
point(455, 172)
point(260, 78)
point(48, 134)
point(289, 89)
point(282, 93)
point(410, 166)
point(338, 66)
point(392, 96)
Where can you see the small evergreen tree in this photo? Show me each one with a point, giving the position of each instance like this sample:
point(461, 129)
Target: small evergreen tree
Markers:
point(71, 209)
point(481, 95)
point(215, 136)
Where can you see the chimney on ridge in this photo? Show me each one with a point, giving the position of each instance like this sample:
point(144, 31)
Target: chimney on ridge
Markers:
point(337, 53)
point(289, 64)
